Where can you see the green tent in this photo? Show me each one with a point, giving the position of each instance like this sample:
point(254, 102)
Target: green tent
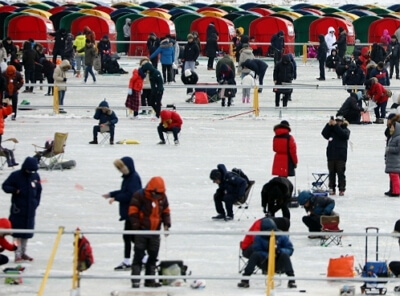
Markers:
point(380, 10)
point(329, 10)
point(67, 20)
point(41, 6)
point(279, 8)
point(301, 30)
point(244, 22)
point(119, 25)
point(361, 26)
point(182, 25)
point(229, 8)
point(86, 5)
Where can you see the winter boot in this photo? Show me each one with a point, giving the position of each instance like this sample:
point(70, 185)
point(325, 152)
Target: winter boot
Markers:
point(78, 74)
point(229, 101)
point(94, 141)
point(248, 100)
point(292, 284)
point(244, 100)
point(151, 270)
point(223, 102)
point(136, 268)
point(244, 284)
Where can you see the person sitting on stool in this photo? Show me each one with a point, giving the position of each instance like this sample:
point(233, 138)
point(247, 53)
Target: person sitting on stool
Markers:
point(107, 120)
point(171, 121)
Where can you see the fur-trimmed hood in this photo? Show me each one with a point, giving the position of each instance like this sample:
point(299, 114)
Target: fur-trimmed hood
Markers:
point(125, 165)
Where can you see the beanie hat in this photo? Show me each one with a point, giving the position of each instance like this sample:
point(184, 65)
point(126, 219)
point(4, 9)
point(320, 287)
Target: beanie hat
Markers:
point(304, 196)
point(285, 122)
point(282, 223)
point(190, 36)
point(188, 72)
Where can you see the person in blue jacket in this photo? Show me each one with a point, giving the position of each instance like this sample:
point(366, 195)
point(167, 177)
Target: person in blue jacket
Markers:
point(167, 57)
point(260, 254)
point(107, 121)
point(231, 187)
point(131, 183)
point(316, 205)
point(26, 190)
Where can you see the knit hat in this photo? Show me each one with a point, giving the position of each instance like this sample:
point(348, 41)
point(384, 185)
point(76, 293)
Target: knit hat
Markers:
point(285, 122)
point(190, 36)
point(188, 72)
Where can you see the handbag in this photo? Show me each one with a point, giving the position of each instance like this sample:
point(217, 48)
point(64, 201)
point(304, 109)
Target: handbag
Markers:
point(341, 267)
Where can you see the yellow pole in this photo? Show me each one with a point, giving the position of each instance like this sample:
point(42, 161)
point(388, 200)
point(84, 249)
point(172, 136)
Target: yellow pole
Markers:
point(304, 53)
point(51, 259)
point(255, 102)
point(271, 264)
point(55, 100)
point(75, 273)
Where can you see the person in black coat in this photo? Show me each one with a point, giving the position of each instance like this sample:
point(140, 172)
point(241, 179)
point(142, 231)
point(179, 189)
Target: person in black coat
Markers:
point(393, 56)
point(380, 73)
point(26, 189)
point(351, 109)
point(104, 49)
point(211, 50)
point(275, 196)
point(341, 42)
point(321, 56)
point(278, 45)
point(337, 134)
point(59, 44)
point(153, 42)
point(353, 76)
point(226, 76)
point(131, 183)
point(231, 187)
point(259, 67)
point(29, 56)
point(283, 73)
point(378, 53)
point(191, 53)
point(189, 77)
point(211, 30)
point(107, 121)
point(333, 60)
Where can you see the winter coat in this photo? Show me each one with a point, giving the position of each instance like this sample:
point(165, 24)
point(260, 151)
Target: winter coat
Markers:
point(127, 28)
point(13, 80)
point(136, 81)
point(28, 56)
point(26, 189)
point(156, 79)
point(284, 146)
point(79, 43)
point(332, 60)
point(60, 75)
point(385, 38)
point(226, 60)
point(2, 86)
point(89, 34)
point(323, 49)
point(9, 47)
point(330, 39)
point(104, 46)
point(231, 183)
point(350, 109)
point(377, 93)
point(170, 119)
point(245, 54)
point(354, 75)
point(152, 43)
point(256, 65)
point(278, 41)
point(282, 243)
point(392, 159)
point(191, 52)
point(226, 76)
point(108, 116)
point(90, 53)
point(320, 205)
point(267, 193)
point(378, 53)
point(381, 74)
point(212, 46)
point(248, 80)
point(393, 51)
point(341, 42)
point(131, 183)
point(59, 40)
point(211, 30)
point(4, 112)
point(337, 136)
point(166, 51)
point(149, 207)
point(4, 243)
point(69, 47)
point(283, 72)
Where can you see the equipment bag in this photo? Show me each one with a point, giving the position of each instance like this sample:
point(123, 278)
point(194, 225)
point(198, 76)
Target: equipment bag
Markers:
point(171, 267)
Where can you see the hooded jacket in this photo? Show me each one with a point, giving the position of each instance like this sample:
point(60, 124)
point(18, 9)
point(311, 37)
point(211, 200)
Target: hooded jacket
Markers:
point(153, 42)
point(166, 51)
point(341, 42)
point(4, 112)
point(285, 188)
point(191, 51)
point(170, 119)
point(136, 80)
point(26, 189)
point(323, 49)
point(377, 92)
point(105, 117)
point(89, 34)
point(156, 80)
point(226, 60)
point(79, 43)
point(104, 46)
point(60, 73)
point(259, 67)
point(127, 28)
point(231, 183)
point(385, 38)
point(330, 39)
point(212, 46)
point(149, 207)
point(13, 81)
point(333, 60)
point(89, 52)
point(278, 41)
point(378, 53)
point(245, 54)
point(284, 72)
point(350, 109)
point(284, 146)
point(392, 159)
point(337, 136)
point(131, 183)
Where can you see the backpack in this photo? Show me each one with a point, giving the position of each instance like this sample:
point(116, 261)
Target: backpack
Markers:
point(241, 174)
point(85, 254)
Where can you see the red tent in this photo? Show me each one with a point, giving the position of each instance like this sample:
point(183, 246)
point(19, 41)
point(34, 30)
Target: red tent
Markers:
point(99, 25)
point(7, 8)
point(142, 27)
point(262, 11)
point(376, 28)
point(265, 27)
point(225, 29)
point(32, 26)
point(321, 25)
point(56, 9)
point(105, 9)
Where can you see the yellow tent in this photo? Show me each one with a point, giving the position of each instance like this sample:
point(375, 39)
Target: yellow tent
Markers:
point(95, 12)
point(161, 14)
point(350, 16)
point(292, 14)
point(212, 13)
point(38, 12)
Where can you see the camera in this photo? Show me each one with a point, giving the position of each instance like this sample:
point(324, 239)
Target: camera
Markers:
point(332, 118)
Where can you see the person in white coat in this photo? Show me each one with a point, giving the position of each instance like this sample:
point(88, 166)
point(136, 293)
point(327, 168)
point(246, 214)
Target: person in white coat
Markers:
point(330, 38)
point(60, 80)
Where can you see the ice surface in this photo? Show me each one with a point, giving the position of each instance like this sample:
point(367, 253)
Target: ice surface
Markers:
point(243, 142)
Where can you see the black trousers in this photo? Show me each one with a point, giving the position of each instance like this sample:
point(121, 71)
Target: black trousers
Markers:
point(161, 130)
point(155, 102)
point(228, 199)
point(395, 267)
point(143, 244)
point(129, 239)
point(337, 167)
point(283, 264)
point(96, 129)
point(312, 222)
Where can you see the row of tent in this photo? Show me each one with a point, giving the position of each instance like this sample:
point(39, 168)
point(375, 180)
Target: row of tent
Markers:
point(301, 23)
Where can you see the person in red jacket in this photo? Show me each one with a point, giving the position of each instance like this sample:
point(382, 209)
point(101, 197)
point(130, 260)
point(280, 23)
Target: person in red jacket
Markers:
point(377, 93)
point(4, 243)
point(13, 82)
point(5, 110)
point(134, 92)
point(171, 121)
point(284, 146)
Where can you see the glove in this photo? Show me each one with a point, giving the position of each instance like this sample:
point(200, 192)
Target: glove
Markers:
point(65, 79)
point(129, 91)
